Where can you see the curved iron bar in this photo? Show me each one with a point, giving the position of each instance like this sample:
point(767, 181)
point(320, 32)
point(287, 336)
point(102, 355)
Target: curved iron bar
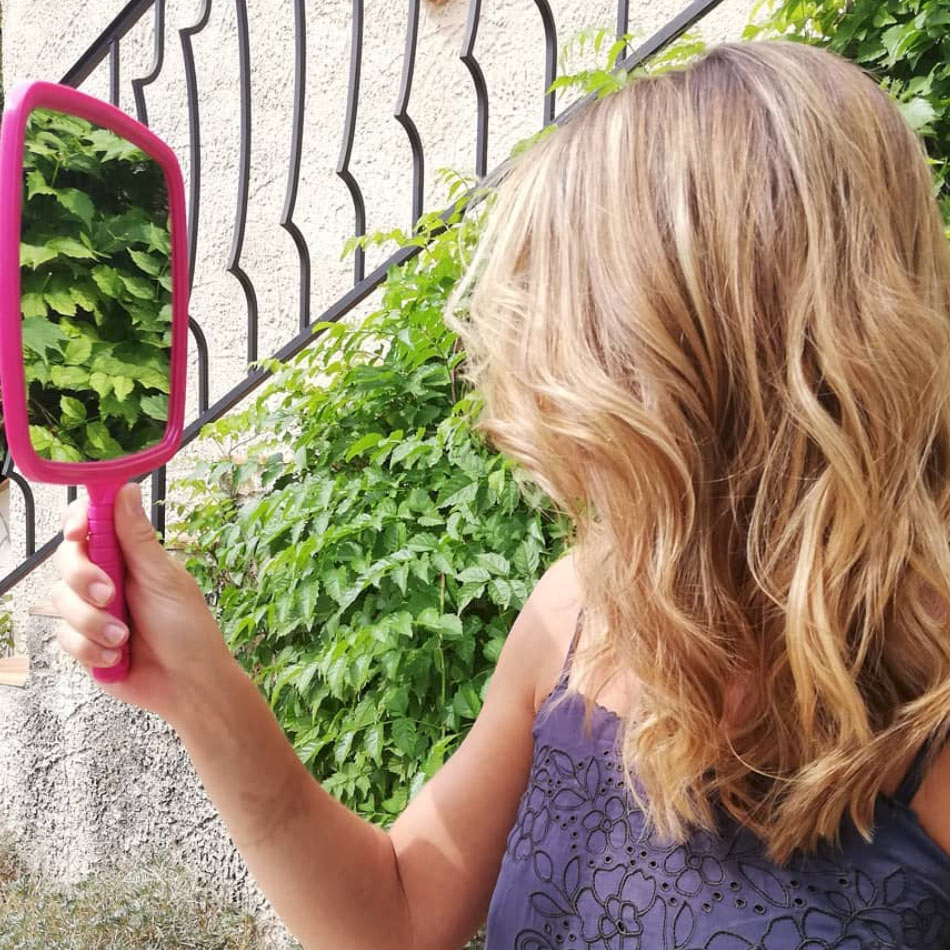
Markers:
point(158, 60)
point(194, 135)
point(365, 287)
point(202, 345)
point(158, 499)
point(244, 177)
point(29, 503)
point(123, 21)
point(402, 114)
point(114, 72)
point(72, 493)
point(550, 59)
point(481, 90)
point(293, 173)
point(349, 130)
point(623, 23)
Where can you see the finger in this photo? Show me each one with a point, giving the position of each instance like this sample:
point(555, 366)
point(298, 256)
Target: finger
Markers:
point(84, 577)
point(95, 625)
point(89, 654)
point(75, 523)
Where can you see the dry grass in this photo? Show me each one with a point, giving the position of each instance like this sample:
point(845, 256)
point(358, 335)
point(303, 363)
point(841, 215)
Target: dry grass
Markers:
point(155, 908)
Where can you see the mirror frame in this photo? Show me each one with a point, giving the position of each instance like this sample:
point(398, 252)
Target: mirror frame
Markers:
point(22, 100)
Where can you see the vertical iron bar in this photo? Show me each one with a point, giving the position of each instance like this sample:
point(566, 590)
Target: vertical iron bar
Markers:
point(402, 113)
point(349, 130)
point(158, 59)
point(194, 136)
point(623, 24)
point(158, 499)
point(481, 90)
point(550, 60)
point(244, 176)
point(202, 345)
point(114, 72)
point(30, 511)
point(293, 173)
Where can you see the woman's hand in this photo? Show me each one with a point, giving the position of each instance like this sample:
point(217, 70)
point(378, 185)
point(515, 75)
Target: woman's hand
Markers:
point(176, 646)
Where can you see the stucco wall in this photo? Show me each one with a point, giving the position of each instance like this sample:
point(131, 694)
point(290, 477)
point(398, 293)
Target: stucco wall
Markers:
point(84, 780)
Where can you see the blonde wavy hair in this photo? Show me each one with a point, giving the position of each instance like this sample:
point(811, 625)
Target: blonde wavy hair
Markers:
point(709, 318)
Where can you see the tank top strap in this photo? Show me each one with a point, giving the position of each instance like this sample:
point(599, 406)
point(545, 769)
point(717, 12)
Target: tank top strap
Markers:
point(569, 659)
point(914, 776)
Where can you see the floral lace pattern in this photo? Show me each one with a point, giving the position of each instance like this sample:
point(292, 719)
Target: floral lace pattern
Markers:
point(578, 871)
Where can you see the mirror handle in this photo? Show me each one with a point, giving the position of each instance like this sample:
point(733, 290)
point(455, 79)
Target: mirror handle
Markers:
point(104, 552)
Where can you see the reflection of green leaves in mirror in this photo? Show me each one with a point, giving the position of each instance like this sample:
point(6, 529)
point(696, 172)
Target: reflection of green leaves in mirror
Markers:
point(95, 287)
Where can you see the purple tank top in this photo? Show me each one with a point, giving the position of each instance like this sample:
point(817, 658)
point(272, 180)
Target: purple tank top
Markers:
point(578, 874)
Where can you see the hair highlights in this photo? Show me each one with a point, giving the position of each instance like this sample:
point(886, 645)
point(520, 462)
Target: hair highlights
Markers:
point(710, 318)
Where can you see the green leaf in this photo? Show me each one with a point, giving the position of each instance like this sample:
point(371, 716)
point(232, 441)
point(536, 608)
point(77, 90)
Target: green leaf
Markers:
point(84, 293)
point(41, 335)
point(78, 351)
point(69, 377)
point(78, 203)
point(99, 439)
point(70, 247)
point(360, 445)
point(73, 410)
point(127, 409)
point(918, 113)
point(140, 287)
point(41, 438)
point(108, 281)
point(36, 184)
point(101, 383)
point(32, 255)
point(61, 301)
point(122, 386)
point(156, 407)
point(148, 263)
point(33, 305)
point(466, 702)
point(404, 736)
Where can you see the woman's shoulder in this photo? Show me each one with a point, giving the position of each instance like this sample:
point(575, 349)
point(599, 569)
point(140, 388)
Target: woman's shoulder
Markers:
point(546, 625)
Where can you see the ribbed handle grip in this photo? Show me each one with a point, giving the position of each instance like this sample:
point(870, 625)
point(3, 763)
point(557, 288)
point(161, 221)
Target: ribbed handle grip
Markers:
point(104, 552)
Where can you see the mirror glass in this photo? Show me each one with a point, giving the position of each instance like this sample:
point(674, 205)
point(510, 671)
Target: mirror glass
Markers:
point(95, 287)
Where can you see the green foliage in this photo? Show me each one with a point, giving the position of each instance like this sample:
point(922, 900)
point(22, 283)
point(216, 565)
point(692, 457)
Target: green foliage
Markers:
point(95, 290)
point(904, 44)
point(368, 559)
point(6, 625)
point(603, 80)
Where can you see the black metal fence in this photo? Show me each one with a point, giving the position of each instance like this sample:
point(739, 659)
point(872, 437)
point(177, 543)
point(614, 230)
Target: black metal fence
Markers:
point(109, 45)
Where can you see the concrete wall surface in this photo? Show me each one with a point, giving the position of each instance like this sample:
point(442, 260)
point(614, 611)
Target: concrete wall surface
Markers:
point(84, 780)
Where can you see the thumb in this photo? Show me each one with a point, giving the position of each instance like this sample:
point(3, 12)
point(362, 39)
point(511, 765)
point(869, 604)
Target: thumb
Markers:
point(137, 538)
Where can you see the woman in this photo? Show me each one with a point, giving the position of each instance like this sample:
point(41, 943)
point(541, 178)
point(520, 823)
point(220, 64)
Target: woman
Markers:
point(711, 318)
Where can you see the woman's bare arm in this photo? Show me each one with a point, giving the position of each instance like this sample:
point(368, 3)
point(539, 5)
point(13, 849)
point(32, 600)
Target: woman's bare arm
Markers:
point(336, 880)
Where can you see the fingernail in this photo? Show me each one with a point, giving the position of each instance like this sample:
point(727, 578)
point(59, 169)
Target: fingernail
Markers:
point(110, 657)
point(114, 633)
point(134, 500)
point(100, 592)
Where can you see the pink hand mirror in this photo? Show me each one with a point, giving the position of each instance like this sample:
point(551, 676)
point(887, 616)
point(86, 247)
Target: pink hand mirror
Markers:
point(93, 303)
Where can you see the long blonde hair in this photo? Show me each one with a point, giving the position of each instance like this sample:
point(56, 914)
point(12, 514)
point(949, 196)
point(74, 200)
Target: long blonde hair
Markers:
point(710, 318)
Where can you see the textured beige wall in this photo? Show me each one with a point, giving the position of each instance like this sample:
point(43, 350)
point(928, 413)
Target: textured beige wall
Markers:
point(81, 777)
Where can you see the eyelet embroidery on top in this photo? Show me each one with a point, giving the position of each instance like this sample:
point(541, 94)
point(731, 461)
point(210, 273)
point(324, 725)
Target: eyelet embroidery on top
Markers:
point(593, 882)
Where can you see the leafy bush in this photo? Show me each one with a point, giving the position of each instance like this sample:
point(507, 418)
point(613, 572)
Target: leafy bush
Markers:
point(905, 44)
point(370, 575)
point(95, 290)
